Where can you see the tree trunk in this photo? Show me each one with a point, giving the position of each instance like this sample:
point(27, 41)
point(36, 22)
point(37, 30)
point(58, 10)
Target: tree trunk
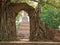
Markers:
point(11, 26)
point(32, 28)
point(0, 17)
point(38, 30)
point(7, 24)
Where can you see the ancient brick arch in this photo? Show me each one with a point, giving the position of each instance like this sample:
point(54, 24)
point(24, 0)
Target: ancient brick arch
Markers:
point(17, 7)
point(37, 31)
point(8, 15)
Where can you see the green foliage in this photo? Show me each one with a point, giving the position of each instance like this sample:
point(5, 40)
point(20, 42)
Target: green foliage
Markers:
point(18, 20)
point(31, 3)
point(51, 16)
point(13, 1)
point(24, 0)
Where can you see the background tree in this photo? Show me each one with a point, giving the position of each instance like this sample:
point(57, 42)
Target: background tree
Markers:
point(51, 16)
point(41, 3)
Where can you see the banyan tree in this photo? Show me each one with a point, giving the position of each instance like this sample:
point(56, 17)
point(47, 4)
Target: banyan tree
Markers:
point(8, 12)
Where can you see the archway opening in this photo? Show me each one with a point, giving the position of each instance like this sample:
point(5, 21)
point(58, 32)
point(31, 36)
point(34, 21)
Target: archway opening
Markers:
point(23, 26)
